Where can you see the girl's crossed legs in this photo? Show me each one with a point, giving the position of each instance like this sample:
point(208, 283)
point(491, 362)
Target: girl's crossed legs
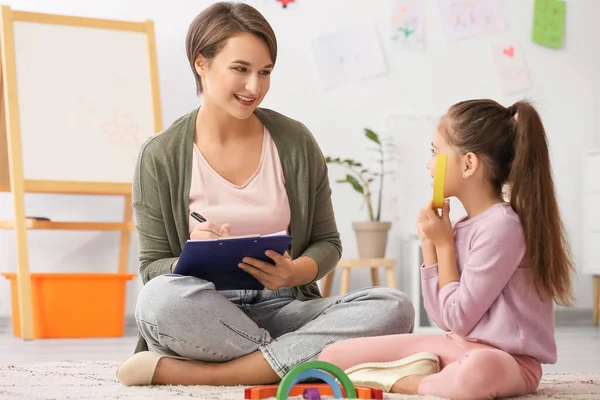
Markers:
point(468, 370)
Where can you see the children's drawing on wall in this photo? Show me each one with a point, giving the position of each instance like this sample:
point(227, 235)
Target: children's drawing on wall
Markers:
point(408, 18)
point(511, 68)
point(348, 56)
point(466, 18)
point(549, 23)
point(121, 130)
point(123, 133)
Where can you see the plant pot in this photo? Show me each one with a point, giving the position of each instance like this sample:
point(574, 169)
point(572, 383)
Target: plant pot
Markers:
point(371, 238)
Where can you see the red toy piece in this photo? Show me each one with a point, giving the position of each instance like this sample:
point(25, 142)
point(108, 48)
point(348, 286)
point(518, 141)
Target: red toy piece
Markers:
point(284, 3)
point(264, 392)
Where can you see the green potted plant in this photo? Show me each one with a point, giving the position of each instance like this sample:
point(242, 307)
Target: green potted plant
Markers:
point(371, 235)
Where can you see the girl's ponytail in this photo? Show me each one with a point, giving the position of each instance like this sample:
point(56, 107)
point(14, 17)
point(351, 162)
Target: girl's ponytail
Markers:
point(532, 196)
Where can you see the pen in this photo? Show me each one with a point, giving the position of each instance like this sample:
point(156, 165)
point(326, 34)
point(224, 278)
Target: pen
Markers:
point(198, 217)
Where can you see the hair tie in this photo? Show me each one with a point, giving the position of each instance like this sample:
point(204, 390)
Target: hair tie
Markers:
point(512, 110)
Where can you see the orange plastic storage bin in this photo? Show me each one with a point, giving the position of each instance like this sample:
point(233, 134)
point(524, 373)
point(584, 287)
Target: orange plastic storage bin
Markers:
point(73, 305)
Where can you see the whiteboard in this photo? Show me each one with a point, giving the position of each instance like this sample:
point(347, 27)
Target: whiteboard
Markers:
point(84, 101)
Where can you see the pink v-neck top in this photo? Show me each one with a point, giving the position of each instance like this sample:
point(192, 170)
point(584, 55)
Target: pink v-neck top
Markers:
point(493, 302)
point(259, 206)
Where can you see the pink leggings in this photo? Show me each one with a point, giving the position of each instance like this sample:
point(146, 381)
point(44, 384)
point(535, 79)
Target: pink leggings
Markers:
point(469, 370)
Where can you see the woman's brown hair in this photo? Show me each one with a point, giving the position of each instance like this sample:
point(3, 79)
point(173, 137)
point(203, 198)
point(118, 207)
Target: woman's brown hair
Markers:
point(211, 29)
point(512, 144)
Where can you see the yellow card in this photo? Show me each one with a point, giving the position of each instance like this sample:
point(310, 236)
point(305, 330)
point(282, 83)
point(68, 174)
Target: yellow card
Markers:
point(438, 181)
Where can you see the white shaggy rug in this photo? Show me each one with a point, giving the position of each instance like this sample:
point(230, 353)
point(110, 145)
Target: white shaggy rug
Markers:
point(96, 380)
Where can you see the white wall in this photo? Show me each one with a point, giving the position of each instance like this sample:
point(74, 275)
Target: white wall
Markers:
point(422, 83)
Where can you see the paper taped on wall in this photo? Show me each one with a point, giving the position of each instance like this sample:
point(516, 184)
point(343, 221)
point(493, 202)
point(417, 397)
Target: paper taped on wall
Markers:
point(348, 56)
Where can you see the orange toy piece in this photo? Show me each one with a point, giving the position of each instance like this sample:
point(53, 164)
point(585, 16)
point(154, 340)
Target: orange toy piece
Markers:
point(264, 392)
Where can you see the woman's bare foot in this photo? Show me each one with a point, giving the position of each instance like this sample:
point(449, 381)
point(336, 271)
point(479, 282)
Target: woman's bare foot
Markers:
point(407, 385)
point(251, 369)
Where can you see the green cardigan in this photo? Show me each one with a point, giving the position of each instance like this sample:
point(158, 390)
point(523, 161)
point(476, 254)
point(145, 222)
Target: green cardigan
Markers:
point(161, 188)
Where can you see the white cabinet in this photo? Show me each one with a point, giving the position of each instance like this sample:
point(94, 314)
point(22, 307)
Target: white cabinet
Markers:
point(591, 224)
point(422, 322)
point(591, 213)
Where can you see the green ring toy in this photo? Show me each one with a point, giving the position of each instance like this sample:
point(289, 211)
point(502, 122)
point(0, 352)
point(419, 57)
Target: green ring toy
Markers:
point(288, 380)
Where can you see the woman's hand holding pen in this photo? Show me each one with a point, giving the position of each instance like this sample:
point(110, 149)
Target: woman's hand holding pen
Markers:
point(208, 230)
point(273, 277)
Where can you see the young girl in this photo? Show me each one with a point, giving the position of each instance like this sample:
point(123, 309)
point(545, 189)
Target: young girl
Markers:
point(490, 280)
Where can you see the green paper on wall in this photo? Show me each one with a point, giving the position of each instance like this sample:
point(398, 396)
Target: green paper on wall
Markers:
point(549, 23)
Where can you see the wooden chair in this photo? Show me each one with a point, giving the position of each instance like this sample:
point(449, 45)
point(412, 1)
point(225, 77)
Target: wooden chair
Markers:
point(373, 263)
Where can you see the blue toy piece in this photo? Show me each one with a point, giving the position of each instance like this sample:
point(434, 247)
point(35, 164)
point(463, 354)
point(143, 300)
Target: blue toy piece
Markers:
point(315, 373)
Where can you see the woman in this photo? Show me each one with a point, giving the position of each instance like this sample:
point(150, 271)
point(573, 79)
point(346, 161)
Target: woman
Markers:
point(247, 170)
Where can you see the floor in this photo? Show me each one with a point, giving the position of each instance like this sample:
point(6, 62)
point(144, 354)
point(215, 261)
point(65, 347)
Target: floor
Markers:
point(578, 344)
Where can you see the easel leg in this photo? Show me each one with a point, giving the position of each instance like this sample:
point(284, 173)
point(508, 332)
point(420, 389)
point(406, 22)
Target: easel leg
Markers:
point(596, 299)
point(125, 237)
point(23, 275)
point(9, 123)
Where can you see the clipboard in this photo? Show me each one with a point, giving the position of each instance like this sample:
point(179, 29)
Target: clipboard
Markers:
point(217, 260)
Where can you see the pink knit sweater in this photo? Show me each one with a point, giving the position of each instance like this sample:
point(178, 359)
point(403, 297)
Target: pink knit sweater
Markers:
point(493, 302)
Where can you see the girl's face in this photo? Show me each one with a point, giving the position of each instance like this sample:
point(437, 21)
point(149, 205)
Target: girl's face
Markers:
point(237, 79)
point(454, 164)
